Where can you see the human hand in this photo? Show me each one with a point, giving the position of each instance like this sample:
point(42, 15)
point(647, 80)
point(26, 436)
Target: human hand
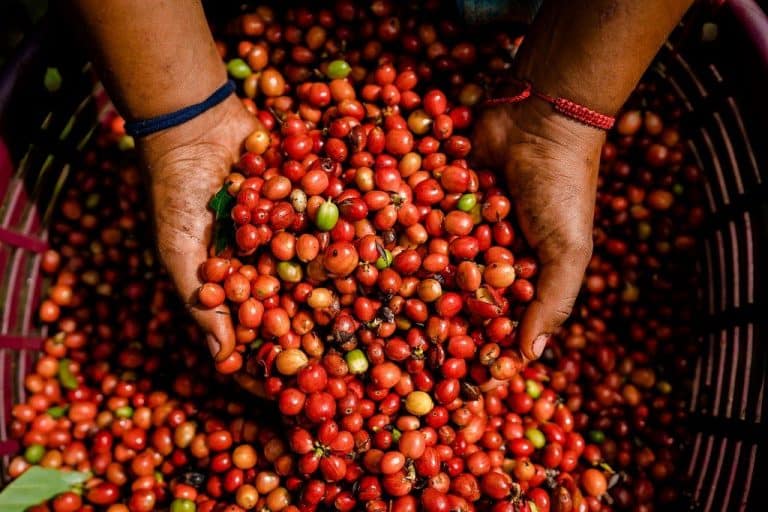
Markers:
point(550, 164)
point(187, 165)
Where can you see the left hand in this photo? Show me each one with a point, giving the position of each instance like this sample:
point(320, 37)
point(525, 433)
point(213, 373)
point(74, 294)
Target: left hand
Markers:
point(550, 164)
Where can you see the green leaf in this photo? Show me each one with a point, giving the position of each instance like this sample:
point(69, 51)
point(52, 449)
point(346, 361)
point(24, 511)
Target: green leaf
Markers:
point(224, 229)
point(57, 411)
point(36, 485)
point(224, 234)
point(222, 203)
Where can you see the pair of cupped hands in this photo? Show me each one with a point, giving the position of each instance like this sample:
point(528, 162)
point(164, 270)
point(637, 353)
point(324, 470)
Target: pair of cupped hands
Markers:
point(549, 163)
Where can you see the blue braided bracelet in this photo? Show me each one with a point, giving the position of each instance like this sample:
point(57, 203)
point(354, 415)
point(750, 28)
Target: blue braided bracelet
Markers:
point(144, 127)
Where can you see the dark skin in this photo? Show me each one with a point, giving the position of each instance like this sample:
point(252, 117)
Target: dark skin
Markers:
point(591, 52)
point(174, 49)
point(157, 60)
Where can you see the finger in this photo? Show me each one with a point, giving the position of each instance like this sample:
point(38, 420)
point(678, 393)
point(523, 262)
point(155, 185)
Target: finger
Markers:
point(183, 257)
point(220, 334)
point(556, 291)
point(216, 323)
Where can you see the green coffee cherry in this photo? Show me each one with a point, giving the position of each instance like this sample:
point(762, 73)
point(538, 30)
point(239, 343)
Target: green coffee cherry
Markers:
point(182, 505)
point(467, 202)
point(356, 361)
point(238, 69)
point(290, 271)
point(596, 436)
point(536, 437)
point(385, 260)
point(338, 69)
point(125, 411)
point(34, 453)
point(533, 388)
point(327, 216)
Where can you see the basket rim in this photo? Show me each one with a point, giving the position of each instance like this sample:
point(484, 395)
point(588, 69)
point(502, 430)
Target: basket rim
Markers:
point(755, 22)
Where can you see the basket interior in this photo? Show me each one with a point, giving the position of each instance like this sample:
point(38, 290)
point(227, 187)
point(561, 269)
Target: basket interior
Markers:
point(41, 135)
point(724, 120)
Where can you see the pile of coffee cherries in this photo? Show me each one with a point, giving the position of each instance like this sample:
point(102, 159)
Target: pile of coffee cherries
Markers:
point(374, 277)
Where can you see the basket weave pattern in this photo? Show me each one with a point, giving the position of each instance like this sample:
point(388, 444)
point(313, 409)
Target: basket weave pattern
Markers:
point(37, 148)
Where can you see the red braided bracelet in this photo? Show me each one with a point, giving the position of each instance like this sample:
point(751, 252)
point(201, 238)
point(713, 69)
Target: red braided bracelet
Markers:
point(565, 106)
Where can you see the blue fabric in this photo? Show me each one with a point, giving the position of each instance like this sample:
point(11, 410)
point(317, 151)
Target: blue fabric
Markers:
point(145, 127)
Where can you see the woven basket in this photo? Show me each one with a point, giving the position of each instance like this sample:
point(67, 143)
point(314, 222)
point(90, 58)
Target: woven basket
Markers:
point(41, 136)
point(723, 85)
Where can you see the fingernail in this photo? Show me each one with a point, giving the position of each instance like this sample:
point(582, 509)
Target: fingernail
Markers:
point(539, 344)
point(213, 344)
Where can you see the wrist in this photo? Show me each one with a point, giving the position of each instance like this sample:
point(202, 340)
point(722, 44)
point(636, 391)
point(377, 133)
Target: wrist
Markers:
point(202, 129)
point(563, 106)
point(537, 119)
point(145, 127)
point(171, 96)
point(548, 151)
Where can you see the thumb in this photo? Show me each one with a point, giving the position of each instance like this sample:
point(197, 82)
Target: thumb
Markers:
point(556, 291)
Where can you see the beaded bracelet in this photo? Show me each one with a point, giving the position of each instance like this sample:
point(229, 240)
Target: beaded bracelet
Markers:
point(143, 127)
point(564, 106)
